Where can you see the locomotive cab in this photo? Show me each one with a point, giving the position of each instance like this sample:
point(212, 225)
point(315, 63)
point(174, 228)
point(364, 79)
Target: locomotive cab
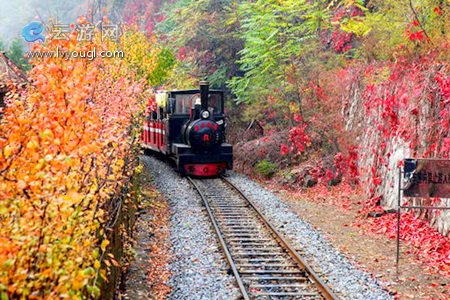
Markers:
point(193, 130)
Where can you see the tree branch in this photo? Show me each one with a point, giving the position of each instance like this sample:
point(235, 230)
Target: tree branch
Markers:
point(416, 17)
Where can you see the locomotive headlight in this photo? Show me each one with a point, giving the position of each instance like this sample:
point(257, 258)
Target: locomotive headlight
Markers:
point(205, 114)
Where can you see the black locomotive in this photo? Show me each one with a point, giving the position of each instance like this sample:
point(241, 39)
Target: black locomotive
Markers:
point(189, 126)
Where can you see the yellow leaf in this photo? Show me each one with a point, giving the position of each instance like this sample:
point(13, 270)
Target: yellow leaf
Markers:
point(7, 151)
point(33, 144)
point(47, 134)
point(97, 264)
point(104, 244)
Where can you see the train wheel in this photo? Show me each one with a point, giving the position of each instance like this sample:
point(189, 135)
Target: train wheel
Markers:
point(147, 152)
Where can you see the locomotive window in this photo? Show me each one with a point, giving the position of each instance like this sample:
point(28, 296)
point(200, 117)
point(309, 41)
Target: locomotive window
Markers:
point(215, 101)
point(182, 104)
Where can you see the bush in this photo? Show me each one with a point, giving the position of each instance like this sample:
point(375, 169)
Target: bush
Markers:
point(66, 157)
point(266, 168)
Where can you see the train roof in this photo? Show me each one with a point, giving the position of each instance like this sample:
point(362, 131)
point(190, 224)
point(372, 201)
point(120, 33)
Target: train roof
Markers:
point(194, 91)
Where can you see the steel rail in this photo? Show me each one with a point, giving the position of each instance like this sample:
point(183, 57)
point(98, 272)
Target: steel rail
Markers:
point(324, 289)
point(222, 242)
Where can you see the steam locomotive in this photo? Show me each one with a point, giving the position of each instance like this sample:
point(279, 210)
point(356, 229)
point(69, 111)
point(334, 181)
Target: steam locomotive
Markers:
point(189, 126)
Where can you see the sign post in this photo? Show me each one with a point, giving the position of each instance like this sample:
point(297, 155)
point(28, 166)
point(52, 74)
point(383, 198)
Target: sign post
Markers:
point(422, 178)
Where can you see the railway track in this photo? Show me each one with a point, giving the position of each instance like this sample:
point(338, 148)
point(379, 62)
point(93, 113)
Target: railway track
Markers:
point(264, 263)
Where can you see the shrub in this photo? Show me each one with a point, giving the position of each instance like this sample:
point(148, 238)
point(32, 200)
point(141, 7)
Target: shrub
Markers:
point(66, 147)
point(266, 168)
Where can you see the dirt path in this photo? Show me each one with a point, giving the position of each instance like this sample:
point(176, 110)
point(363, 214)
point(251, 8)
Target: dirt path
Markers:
point(147, 274)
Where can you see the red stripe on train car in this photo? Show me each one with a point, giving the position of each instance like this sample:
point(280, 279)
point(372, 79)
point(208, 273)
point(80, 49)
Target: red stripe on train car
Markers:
point(150, 129)
point(158, 134)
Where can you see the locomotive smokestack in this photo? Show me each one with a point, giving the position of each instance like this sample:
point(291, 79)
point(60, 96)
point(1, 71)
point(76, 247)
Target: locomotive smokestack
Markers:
point(204, 91)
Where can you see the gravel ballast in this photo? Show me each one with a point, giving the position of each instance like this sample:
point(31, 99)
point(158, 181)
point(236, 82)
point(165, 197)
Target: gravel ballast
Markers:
point(199, 270)
point(345, 279)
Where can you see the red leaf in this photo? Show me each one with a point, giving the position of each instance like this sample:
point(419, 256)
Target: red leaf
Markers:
point(284, 149)
point(377, 181)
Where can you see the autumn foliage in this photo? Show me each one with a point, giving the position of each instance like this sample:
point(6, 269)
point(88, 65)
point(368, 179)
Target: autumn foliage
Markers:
point(66, 144)
point(406, 105)
point(344, 90)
